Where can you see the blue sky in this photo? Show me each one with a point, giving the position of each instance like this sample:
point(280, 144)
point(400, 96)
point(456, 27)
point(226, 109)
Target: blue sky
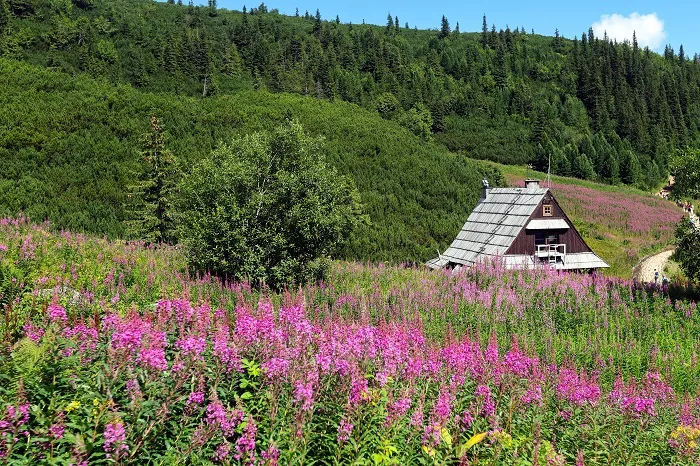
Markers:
point(671, 23)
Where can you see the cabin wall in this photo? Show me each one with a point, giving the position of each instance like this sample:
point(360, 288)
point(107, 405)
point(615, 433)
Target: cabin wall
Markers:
point(524, 243)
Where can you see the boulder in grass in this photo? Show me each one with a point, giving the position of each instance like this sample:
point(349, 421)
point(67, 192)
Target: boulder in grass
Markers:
point(73, 296)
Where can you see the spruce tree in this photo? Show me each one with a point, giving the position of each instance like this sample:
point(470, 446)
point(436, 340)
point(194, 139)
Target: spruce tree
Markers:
point(444, 28)
point(4, 17)
point(150, 199)
point(484, 33)
point(457, 28)
point(500, 72)
point(317, 23)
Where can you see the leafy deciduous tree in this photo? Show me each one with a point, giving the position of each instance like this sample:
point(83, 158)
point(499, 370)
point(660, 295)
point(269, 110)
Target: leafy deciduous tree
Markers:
point(685, 167)
point(688, 249)
point(266, 207)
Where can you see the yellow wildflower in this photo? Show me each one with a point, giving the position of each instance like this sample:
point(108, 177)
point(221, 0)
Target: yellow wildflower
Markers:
point(72, 406)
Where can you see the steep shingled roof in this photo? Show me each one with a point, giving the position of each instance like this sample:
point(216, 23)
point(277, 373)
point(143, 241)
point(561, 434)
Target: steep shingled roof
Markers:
point(492, 226)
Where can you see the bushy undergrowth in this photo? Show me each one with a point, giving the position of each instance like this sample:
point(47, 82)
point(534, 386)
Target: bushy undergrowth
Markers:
point(69, 150)
point(380, 365)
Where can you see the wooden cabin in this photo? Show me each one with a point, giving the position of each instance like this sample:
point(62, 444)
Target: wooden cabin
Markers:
point(524, 227)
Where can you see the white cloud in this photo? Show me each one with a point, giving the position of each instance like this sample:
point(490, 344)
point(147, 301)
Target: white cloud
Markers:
point(649, 29)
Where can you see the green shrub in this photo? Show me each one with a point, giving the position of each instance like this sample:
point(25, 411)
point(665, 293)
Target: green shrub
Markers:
point(264, 207)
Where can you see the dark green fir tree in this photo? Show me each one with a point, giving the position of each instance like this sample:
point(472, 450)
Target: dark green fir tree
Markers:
point(150, 199)
point(444, 27)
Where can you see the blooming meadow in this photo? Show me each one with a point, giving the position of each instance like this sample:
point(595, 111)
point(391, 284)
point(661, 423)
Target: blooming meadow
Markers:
point(112, 354)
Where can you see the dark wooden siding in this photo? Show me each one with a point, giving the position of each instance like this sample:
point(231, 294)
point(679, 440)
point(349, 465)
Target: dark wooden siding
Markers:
point(524, 243)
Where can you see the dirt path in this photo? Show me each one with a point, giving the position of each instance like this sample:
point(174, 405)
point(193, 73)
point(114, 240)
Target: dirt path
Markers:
point(644, 271)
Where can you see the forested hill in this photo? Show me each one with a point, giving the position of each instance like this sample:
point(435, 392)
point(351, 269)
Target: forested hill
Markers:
point(601, 110)
point(70, 149)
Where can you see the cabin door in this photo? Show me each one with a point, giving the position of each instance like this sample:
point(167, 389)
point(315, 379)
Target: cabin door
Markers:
point(546, 237)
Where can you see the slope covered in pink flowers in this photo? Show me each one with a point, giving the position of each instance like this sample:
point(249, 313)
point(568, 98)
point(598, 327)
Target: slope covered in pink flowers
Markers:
point(112, 354)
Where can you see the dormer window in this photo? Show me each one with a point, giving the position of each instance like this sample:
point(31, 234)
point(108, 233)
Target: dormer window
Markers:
point(547, 210)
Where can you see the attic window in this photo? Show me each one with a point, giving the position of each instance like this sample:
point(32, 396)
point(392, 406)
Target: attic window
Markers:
point(547, 210)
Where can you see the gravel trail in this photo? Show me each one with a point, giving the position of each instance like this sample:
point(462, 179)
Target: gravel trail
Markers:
point(644, 272)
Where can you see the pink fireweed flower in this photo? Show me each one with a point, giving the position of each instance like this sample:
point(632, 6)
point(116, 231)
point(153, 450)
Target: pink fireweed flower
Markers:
point(225, 420)
point(271, 455)
point(465, 420)
point(576, 388)
point(192, 346)
point(115, 439)
point(397, 409)
point(246, 326)
point(127, 333)
point(533, 395)
point(133, 389)
point(344, 431)
point(33, 332)
point(443, 406)
point(291, 314)
point(431, 434)
point(276, 368)
point(638, 405)
point(488, 407)
point(359, 390)
point(195, 398)
point(153, 358)
point(224, 352)
point(57, 313)
point(417, 417)
point(304, 395)
point(637, 400)
point(57, 430)
point(491, 353)
point(245, 445)
point(686, 416)
point(222, 452)
point(15, 416)
point(518, 363)
point(216, 413)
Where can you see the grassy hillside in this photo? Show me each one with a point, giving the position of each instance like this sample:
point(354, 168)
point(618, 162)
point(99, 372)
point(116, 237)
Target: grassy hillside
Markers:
point(69, 147)
point(621, 224)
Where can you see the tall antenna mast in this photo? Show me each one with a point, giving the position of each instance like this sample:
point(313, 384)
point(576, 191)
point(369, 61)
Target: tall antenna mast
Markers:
point(549, 167)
